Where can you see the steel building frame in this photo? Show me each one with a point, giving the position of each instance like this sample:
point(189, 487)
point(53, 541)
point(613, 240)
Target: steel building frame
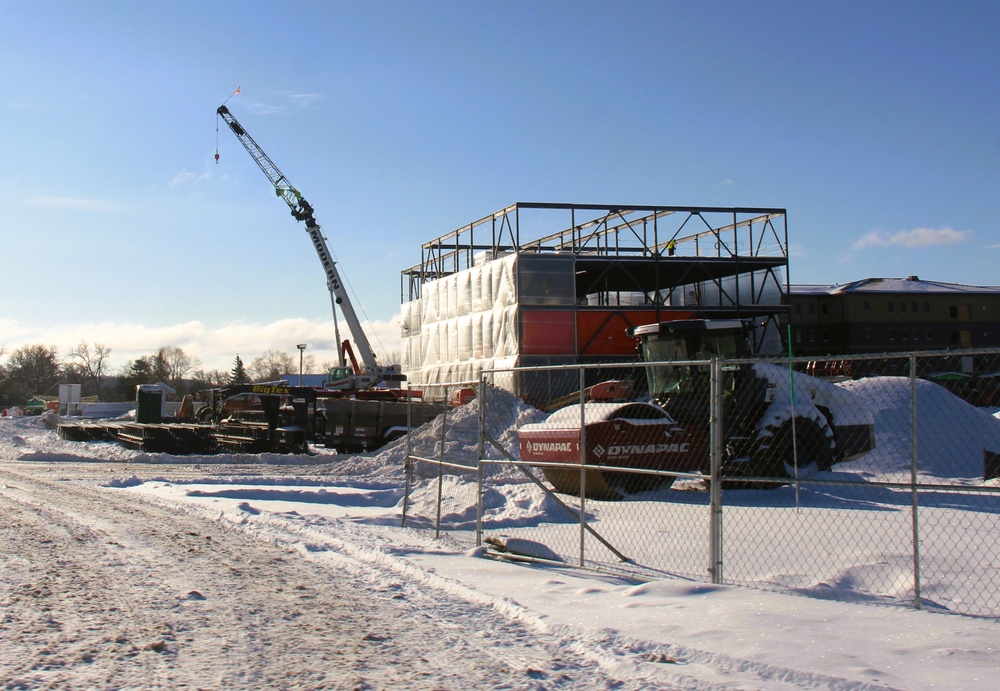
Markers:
point(636, 248)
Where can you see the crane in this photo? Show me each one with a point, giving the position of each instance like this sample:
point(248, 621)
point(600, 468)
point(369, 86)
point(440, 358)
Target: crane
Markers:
point(368, 373)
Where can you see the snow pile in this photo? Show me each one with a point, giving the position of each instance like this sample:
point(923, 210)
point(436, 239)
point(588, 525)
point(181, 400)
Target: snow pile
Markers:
point(505, 413)
point(33, 438)
point(518, 503)
point(951, 434)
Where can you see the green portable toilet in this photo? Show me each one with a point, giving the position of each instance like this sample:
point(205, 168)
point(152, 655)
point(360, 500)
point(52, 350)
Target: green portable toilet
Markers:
point(148, 403)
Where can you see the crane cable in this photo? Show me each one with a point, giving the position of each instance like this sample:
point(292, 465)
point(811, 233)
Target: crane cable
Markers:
point(359, 305)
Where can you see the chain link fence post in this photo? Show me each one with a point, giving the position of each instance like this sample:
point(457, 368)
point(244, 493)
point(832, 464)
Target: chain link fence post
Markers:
point(913, 481)
point(440, 478)
point(716, 435)
point(480, 455)
point(408, 461)
point(583, 466)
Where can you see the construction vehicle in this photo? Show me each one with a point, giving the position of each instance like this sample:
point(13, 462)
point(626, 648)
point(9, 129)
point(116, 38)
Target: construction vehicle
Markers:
point(368, 373)
point(778, 425)
point(37, 405)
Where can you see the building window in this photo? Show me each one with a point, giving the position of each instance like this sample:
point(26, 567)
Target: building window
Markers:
point(868, 334)
point(892, 334)
point(866, 305)
point(904, 334)
point(953, 313)
point(927, 335)
point(927, 308)
point(902, 308)
point(892, 307)
point(812, 335)
point(954, 338)
point(913, 307)
point(826, 337)
point(825, 309)
point(812, 308)
point(798, 308)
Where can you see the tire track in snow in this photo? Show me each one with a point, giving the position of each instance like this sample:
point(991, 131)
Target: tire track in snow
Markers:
point(229, 609)
point(652, 663)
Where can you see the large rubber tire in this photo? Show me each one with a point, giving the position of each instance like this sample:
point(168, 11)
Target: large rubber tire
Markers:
point(796, 450)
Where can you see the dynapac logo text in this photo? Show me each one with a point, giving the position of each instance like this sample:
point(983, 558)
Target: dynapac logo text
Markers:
point(637, 449)
point(542, 446)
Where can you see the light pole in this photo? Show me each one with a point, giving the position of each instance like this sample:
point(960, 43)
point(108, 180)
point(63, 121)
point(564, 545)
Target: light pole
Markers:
point(302, 350)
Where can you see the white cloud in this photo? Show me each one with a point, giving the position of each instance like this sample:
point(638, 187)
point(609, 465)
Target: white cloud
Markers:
point(215, 346)
point(186, 177)
point(302, 100)
point(259, 108)
point(918, 237)
point(797, 251)
point(70, 203)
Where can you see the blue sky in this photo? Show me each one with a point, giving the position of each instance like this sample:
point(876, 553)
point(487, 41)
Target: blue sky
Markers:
point(873, 123)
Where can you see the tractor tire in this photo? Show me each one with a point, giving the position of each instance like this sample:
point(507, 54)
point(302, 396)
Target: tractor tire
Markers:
point(796, 449)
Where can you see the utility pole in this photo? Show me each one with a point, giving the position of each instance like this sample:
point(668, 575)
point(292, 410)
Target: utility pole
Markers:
point(302, 350)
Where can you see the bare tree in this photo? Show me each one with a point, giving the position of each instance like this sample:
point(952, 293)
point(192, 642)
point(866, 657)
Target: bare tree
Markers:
point(211, 379)
point(92, 362)
point(171, 364)
point(308, 365)
point(271, 365)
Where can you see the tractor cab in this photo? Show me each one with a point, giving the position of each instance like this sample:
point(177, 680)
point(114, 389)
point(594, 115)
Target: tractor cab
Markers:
point(683, 389)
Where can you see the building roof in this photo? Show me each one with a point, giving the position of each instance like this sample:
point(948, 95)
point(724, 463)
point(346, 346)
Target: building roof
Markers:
point(910, 284)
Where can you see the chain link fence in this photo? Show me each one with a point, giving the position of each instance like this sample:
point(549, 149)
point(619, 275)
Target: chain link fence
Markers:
point(864, 479)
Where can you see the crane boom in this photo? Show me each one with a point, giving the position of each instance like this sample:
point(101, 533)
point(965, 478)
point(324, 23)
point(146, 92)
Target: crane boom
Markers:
point(303, 211)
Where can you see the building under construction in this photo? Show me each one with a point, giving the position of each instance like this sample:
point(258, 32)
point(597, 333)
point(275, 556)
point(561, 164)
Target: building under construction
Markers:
point(545, 284)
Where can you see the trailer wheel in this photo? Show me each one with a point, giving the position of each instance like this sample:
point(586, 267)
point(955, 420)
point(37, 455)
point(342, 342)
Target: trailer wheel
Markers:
point(797, 450)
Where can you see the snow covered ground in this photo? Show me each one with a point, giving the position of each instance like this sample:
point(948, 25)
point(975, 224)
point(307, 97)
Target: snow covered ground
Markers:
point(131, 570)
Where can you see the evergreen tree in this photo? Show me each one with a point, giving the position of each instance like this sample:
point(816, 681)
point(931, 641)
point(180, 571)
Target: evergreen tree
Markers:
point(138, 371)
point(239, 375)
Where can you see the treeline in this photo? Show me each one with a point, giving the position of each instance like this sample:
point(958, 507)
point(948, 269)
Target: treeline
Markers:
point(37, 370)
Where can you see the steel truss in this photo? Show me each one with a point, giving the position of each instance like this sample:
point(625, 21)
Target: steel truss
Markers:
point(629, 248)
